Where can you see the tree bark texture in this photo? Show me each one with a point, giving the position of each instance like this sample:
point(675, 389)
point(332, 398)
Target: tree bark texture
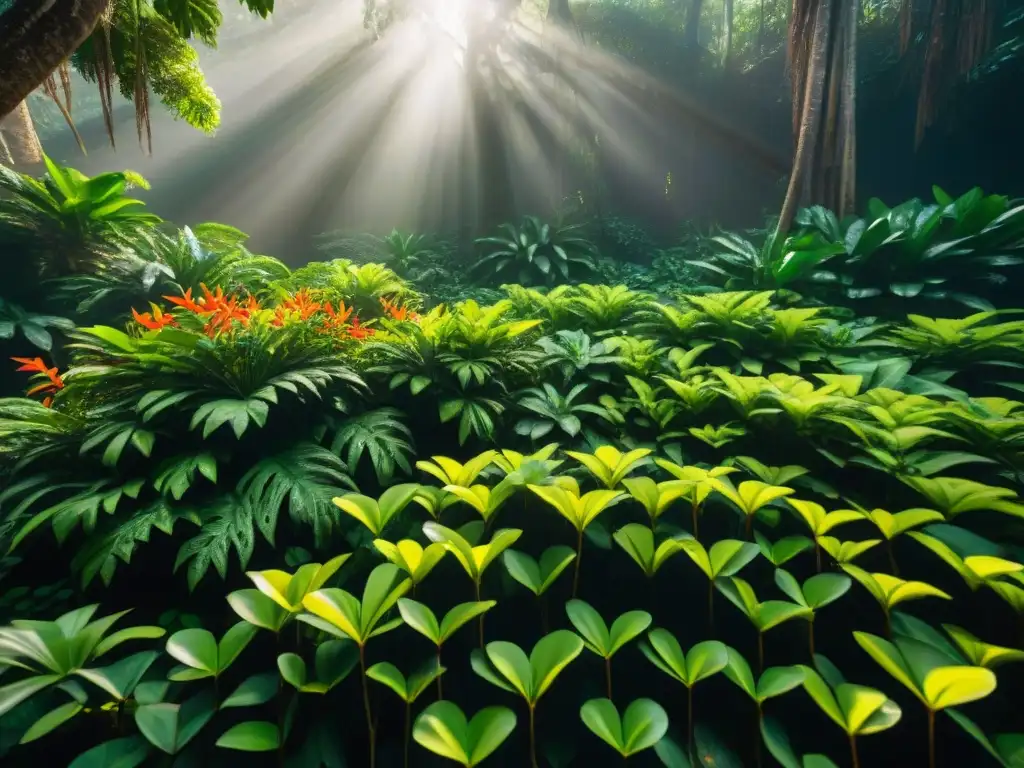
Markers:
point(823, 48)
point(36, 36)
point(18, 138)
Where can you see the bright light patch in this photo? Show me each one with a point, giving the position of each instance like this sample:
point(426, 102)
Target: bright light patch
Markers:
point(328, 127)
point(452, 17)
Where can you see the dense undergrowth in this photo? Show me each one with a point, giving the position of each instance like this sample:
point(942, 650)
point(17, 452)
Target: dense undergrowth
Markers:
point(347, 519)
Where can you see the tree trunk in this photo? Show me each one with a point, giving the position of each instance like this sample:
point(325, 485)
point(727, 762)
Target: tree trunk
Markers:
point(823, 63)
point(18, 136)
point(558, 10)
point(691, 32)
point(727, 33)
point(36, 36)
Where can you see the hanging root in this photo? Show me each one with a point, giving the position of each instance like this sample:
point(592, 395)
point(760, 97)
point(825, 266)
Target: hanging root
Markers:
point(50, 89)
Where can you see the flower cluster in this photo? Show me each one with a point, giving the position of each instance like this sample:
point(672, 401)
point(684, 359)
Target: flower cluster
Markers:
point(220, 313)
point(401, 313)
point(52, 380)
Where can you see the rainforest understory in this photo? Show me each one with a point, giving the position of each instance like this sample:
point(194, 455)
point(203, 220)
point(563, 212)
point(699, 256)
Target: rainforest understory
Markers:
point(784, 467)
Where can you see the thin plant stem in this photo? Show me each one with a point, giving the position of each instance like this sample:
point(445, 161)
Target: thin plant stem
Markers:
point(694, 509)
point(931, 738)
point(408, 732)
point(366, 707)
point(689, 724)
point(892, 557)
point(757, 734)
point(888, 624)
point(711, 606)
point(853, 751)
point(579, 559)
point(817, 554)
point(440, 688)
point(533, 739)
point(544, 624)
point(608, 675)
point(760, 652)
point(480, 619)
point(748, 527)
point(810, 637)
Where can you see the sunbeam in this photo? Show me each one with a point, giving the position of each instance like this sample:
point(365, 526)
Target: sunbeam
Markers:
point(453, 116)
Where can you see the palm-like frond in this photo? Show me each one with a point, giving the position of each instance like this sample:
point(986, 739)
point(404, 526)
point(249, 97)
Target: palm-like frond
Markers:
point(381, 435)
point(304, 479)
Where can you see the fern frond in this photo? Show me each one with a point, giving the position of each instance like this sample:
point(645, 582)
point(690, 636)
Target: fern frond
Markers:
point(305, 477)
point(382, 435)
point(229, 525)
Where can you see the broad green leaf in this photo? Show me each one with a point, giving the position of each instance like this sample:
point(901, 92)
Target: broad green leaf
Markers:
point(952, 686)
point(51, 720)
point(538, 576)
point(442, 729)
point(170, 727)
point(641, 727)
point(462, 614)
point(126, 752)
point(252, 736)
point(255, 690)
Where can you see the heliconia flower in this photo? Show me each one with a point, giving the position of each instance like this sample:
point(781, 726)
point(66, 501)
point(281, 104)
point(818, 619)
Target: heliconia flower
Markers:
point(400, 313)
point(339, 316)
point(33, 364)
point(302, 303)
point(185, 301)
point(36, 365)
point(211, 302)
point(153, 321)
point(227, 312)
point(358, 331)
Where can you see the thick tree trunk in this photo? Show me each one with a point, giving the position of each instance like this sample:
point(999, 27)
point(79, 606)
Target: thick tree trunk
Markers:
point(809, 98)
point(18, 138)
point(691, 32)
point(35, 37)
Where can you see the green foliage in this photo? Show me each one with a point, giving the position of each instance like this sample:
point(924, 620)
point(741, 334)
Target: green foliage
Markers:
point(68, 222)
point(536, 252)
point(742, 429)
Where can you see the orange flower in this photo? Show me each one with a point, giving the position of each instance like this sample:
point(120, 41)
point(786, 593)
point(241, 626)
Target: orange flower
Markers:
point(185, 302)
point(341, 315)
point(302, 303)
point(33, 364)
point(337, 319)
point(358, 331)
point(154, 321)
point(36, 365)
point(227, 312)
point(400, 313)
